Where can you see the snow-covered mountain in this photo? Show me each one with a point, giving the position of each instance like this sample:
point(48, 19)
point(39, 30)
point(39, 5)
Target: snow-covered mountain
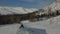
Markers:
point(16, 10)
point(54, 6)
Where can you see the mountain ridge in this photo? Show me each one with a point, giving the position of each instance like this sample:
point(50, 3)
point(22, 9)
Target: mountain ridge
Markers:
point(16, 10)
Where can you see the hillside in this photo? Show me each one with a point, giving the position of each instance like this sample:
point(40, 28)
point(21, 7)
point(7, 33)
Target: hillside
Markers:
point(54, 6)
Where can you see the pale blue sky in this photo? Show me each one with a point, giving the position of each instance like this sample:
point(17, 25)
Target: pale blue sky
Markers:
point(25, 3)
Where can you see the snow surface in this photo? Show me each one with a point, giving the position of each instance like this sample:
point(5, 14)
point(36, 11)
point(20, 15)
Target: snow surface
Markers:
point(50, 26)
point(9, 29)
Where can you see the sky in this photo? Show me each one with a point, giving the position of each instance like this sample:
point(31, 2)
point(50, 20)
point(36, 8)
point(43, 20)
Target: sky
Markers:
point(25, 3)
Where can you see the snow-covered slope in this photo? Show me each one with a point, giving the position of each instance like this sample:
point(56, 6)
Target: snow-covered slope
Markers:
point(54, 6)
point(16, 10)
point(50, 26)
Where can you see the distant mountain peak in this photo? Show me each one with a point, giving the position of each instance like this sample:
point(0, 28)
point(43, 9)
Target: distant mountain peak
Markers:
point(16, 10)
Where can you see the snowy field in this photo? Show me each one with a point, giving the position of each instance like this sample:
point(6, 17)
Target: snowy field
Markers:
point(50, 26)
